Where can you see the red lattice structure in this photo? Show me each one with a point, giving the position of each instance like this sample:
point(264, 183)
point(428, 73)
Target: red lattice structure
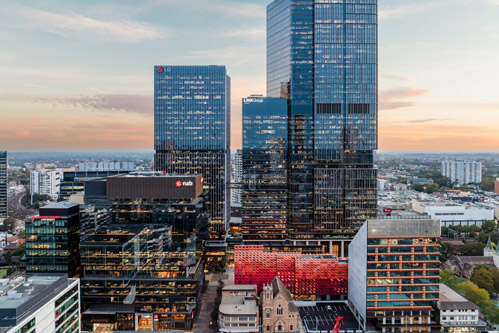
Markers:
point(303, 275)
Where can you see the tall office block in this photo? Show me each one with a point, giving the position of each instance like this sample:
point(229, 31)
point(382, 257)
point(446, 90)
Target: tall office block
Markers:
point(4, 207)
point(393, 275)
point(265, 187)
point(192, 130)
point(53, 240)
point(322, 57)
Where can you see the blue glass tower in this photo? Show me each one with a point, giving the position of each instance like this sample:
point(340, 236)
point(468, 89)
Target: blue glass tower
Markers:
point(264, 194)
point(192, 130)
point(322, 57)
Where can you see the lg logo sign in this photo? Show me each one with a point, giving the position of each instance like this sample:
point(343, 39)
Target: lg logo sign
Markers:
point(178, 183)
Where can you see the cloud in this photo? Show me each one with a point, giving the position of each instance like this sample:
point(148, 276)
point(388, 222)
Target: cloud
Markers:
point(230, 8)
point(396, 77)
point(428, 120)
point(248, 34)
point(139, 104)
point(73, 24)
point(23, 134)
point(391, 99)
point(405, 10)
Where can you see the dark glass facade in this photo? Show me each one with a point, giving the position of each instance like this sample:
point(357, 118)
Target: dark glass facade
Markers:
point(3, 185)
point(142, 271)
point(74, 181)
point(322, 57)
point(192, 130)
point(53, 240)
point(265, 187)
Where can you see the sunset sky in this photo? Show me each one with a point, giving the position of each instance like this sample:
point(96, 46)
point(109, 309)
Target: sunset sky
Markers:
point(78, 75)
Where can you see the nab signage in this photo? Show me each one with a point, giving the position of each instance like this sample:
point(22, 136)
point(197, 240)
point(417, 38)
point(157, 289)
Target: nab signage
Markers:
point(179, 183)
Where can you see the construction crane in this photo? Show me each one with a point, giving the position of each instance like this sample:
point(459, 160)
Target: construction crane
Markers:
point(337, 326)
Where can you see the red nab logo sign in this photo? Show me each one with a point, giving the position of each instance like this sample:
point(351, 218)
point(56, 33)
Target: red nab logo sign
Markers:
point(178, 183)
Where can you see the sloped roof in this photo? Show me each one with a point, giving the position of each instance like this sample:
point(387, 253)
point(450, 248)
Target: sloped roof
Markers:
point(279, 287)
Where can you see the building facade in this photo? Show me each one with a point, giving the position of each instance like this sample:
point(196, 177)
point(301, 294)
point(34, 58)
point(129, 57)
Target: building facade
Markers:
point(239, 310)
point(236, 176)
point(73, 182)
point(106, 166)
point(264, 163)
point(46, 182)
point(4, 185)
point(393, 274)
point(457, 314)
point(279, 313)
point(322, 57)
point(53, 240)
point(40, 303)
point(307, 277)
point(192, 131)
point(142, 270)
point(462, 172)
point(452, 214)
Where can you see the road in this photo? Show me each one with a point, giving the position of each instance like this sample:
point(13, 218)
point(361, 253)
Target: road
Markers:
point(202, 322)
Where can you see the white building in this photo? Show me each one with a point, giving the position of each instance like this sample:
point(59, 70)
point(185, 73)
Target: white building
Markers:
point(457, 313)
point(236, 175)
point(106, 166)
point(46, 182)
point(462, 172)
point(239, 313)
point(451, 214)
point(40, 303)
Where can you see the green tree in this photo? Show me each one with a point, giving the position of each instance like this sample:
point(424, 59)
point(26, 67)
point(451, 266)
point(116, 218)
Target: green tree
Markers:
point(482, 277)
point(473, 293)
point(450, 279)
point(489, 226)
point(495, 277)
point(488, 183)
point(472, 249)
point(447, 250)
point(9, 225)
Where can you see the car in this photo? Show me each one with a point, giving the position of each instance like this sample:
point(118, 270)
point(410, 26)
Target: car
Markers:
point(329, 308)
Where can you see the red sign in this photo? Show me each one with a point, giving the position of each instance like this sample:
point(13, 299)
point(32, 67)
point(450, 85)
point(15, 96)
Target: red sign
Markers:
point(178, 183)
point(387, 210)
point(44, 217)
point(161, 69)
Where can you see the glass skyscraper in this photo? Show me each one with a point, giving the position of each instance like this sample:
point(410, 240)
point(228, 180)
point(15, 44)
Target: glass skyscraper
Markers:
point(192, 130)
point(264, 195)
point(3, 185)
point(322, 57)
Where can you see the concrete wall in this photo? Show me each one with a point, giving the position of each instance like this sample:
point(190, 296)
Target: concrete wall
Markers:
point(357, 274)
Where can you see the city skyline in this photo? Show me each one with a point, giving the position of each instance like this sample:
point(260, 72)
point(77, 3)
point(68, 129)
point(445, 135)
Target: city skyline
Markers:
point(59, 93)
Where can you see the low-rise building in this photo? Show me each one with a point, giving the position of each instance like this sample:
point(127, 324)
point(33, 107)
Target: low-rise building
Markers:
point(40, 303)
point(457, 314)
point(239, 311)
point(240, 290)
point(451, 214)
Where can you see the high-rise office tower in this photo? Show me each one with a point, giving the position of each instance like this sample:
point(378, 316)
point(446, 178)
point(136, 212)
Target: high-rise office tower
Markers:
point(322, 57)
point(192, 130)
point(4, 207)
point(53, 240)
point(393, 275)
point(264, 190)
